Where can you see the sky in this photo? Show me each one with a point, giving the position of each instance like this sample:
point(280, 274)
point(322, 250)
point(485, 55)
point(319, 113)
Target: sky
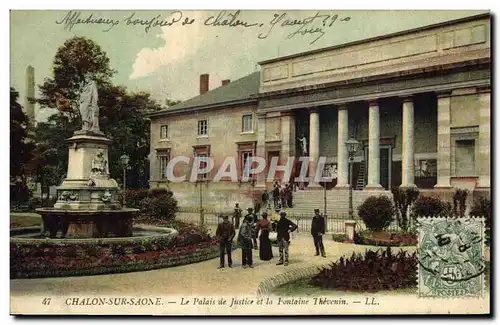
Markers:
point(167, 59)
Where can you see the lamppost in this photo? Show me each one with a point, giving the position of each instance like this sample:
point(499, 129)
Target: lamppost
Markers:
point(124, 160)
point(352, 147)
point(200, 182)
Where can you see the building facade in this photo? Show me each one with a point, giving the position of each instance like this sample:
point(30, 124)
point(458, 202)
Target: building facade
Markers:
point(417, 101)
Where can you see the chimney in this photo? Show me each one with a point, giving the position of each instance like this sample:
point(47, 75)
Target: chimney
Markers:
point(203, 83)
point(30, 92)
point(225, 82)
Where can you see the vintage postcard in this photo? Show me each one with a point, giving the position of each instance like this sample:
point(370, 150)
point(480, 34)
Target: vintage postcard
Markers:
point(238, 162)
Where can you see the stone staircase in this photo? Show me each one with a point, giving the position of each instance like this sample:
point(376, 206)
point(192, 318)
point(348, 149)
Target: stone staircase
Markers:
point(337, 201)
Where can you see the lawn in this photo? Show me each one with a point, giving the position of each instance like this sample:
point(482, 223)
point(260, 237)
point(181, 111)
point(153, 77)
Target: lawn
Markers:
point(24, 220)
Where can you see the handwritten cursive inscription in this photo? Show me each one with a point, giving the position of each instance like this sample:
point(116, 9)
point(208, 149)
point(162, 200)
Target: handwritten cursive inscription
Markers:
point(157, 21)
point(314, 26)
point(224, 18)
point(72, 18)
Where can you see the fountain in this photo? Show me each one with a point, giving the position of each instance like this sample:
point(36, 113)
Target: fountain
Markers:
point(88, 231)
point(87, 201)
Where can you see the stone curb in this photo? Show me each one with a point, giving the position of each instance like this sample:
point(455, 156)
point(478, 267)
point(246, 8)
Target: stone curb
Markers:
point(269, 284)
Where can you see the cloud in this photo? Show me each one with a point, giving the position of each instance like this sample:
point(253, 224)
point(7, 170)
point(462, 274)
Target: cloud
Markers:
point(179, 44)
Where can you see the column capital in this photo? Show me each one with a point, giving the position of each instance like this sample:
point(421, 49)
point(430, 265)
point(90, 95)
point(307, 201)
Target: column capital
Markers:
point(407, 98)
point(342, 107)
point(443, 94)
point(372, 102)
point(484, 89)
point(287, 113)
point(314, 109)
point(261, 115)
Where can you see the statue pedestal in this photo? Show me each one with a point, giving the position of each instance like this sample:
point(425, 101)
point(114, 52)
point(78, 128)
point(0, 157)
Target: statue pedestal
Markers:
point(83, 189)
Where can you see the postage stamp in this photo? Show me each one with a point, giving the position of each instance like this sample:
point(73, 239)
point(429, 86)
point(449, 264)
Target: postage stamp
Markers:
point(451, 257)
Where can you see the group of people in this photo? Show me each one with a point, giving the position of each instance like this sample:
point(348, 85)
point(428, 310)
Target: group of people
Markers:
point(253, 228)
point(282, 195)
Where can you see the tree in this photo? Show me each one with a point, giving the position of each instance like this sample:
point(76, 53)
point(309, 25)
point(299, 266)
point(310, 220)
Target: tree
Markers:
point(121, 115)
point(20, 150)
point(78, 56)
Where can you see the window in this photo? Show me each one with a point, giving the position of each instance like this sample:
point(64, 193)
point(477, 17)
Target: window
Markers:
point(163, 159)
point(426, 168)
point(245, 164)
point(202, 151)
point(202, 127)
point(203, 164)
point(164, 132)
point(246, 150)
point(246, 125)
point(464, 158)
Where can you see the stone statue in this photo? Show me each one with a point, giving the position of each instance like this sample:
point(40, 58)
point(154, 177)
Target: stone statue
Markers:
point(303, 145)
point(99, 165)
point(89, 110)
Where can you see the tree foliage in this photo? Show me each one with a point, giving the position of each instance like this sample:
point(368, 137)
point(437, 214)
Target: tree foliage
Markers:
point(20, 149)
point(121, 114)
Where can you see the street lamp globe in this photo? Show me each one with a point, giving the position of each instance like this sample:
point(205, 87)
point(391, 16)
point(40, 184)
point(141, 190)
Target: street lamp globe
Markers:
point(352, 146)
point(124, 160)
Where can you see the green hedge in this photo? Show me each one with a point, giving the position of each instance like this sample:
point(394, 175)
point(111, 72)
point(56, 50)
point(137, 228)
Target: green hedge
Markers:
point(395, 239)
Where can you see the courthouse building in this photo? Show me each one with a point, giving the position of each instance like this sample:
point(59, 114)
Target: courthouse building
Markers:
point(418, 102)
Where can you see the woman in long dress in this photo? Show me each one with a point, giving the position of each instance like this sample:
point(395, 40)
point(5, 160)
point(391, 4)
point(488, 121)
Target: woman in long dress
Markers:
point(264, 226)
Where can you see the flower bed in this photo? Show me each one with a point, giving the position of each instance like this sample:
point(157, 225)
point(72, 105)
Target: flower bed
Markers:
point(371, 272)
point(383, 238)
point(31, 258)
point(340, 238)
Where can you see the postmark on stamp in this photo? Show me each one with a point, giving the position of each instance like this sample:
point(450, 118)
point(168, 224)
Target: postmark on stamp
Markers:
point(451, 257)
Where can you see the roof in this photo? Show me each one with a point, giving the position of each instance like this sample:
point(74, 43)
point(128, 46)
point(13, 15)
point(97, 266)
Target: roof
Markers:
point(236, 92)
point(385, 36)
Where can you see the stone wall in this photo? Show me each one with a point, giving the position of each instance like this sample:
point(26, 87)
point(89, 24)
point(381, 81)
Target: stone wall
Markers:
point(224, 134)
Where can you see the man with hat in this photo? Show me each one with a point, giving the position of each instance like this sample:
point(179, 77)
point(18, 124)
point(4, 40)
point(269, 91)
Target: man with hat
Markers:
point(237, 215)
point(225, 233)
point(255, 219)
point(245, 241)
point(284, 227)
point(317, 231)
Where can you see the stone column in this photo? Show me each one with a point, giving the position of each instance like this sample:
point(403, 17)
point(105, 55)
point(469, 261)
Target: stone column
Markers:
point(261, 147)
point(287, 136)
point(373, 146)
point(483, 163)
point(342, 154)
point(444, 140)
point(313, 145)
point(287, 150)
point(408, 163)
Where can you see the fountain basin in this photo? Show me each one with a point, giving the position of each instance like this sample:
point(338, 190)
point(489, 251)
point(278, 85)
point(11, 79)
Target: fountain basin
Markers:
point(72, 223)
point(32, 256)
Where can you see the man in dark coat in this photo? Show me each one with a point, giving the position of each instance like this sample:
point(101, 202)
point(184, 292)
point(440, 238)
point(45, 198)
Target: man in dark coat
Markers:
point(276, 194)
point(225, 233)
point(317, 231)
point(283, 228)
point(253, 216)
point(237, 214)
point(245, 242)
point(265, 199)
